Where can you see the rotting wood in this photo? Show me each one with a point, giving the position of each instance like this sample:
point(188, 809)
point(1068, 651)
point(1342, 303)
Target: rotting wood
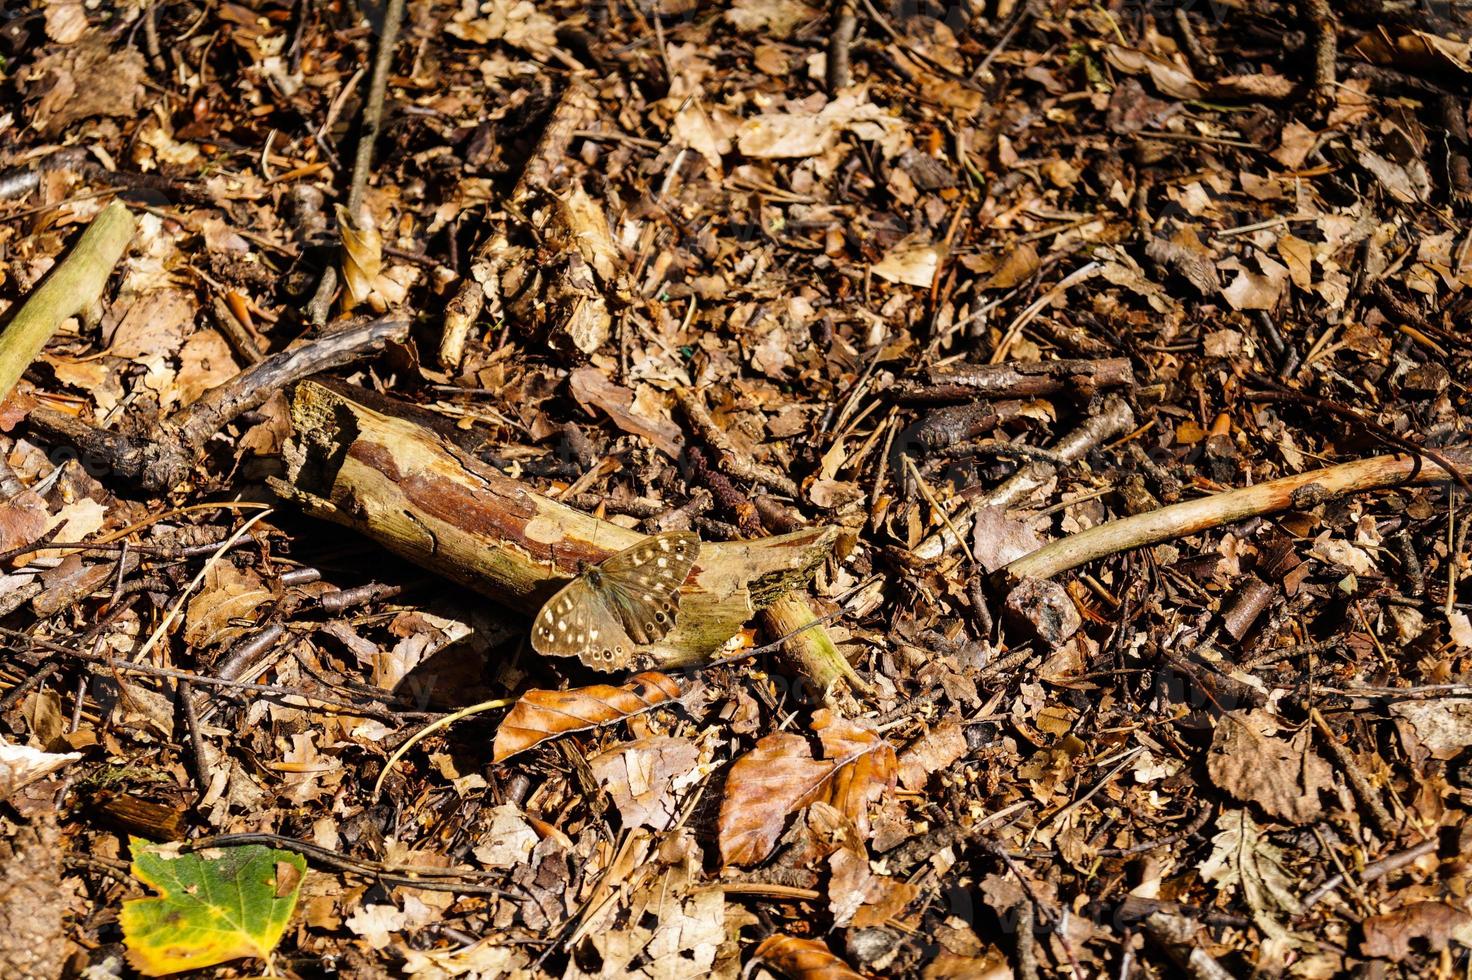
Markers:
point(430, 502)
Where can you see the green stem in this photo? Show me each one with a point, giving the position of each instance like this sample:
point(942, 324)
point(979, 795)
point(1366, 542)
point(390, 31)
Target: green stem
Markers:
point(72, 287)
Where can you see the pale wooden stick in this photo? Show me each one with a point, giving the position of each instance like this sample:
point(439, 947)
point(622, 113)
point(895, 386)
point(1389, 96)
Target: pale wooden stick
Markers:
point(71, 288)
point(1191, 516)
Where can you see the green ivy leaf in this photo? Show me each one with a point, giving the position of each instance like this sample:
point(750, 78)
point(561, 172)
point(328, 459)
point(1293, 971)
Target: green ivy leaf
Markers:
point(213, 905)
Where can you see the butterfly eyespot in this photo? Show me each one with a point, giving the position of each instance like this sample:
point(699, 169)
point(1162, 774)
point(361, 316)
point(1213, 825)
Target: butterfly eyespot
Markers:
point(660, 617)
point(649, 627)
point(607, 654)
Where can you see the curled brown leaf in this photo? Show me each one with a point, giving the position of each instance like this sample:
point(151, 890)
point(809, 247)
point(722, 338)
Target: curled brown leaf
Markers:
point(780, 776)
point(540, 715)
point(803, 959)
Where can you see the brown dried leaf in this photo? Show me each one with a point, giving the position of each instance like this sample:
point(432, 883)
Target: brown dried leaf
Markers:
point(205, 362)
point(23, 518)
point(1283, 776)
point(857, 897)
point(86, 78)
point(362, 258)
point(540, 715)
point(999, 539)
point(585, 223)
point(638, 776)
point(780, 776)
point(1020, 265)
point(1170, 78)
point(931, 752)
point(592, 388)
point(803, 959)
point(228, 597)
point(1254, 86)
point(1187, 254)
point(1441, 726)
point(1435, 923)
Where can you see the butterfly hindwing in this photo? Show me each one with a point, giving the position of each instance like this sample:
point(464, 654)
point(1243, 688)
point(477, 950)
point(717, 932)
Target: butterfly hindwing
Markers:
point(643, 582)
point(608, 646)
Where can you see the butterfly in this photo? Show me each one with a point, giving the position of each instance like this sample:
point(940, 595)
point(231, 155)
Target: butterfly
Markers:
point(630, 600)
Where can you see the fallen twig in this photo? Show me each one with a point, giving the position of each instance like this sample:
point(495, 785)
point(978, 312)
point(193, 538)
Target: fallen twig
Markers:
point(1015, 379)
point(72, 287)
point(845, 23)
point(1114, 418)
point(483, 280)
point(1192, 516)
point(729, 459)
point(162, 457)
point(1326, 45)
point(383, 59)
point(1358, 782)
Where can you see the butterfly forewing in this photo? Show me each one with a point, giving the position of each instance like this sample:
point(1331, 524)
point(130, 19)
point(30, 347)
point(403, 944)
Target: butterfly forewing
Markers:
point(643, 582)
point(561, 629)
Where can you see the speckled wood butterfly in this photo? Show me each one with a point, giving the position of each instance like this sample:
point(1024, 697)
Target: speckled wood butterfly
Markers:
point(629, 601)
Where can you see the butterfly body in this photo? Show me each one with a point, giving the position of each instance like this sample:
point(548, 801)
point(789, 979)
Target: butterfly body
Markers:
point(629, 601)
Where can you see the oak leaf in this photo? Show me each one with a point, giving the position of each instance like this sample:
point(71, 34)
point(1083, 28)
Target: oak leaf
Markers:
point(781, 776)
point(540, 715)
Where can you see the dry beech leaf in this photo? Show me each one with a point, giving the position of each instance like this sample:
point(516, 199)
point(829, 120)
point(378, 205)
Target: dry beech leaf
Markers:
point(937, 749)
point(362, 258)
point(803, 959)
point(780, 776)
point(1172, 79)
point(540, 715)
point(912, 263)
point(1281, 775)
point(23, 519)
point(1435, 924)
point(228, 598)
point(1020, 265)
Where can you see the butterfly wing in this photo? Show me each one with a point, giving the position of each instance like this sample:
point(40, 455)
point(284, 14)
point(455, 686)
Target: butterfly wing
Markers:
point(642, 583)
point(577, 622)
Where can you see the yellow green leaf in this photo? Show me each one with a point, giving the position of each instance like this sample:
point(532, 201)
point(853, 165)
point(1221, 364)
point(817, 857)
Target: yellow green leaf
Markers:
point(213, 905)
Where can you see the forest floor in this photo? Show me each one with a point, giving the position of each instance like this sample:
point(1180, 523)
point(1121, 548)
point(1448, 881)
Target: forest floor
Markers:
point(1108, 358)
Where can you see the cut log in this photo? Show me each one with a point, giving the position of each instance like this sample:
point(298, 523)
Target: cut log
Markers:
point(436, 505)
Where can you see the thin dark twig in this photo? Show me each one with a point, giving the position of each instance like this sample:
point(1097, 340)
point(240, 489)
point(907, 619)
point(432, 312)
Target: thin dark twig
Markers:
point(383, 60)
point(276, 690)
point(1277, 394)
point(425, 877)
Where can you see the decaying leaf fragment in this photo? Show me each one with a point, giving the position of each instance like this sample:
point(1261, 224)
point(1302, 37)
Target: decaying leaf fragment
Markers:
point(1436, 924)
point(1282, 775)
point(781, 776)
point(540, 715)
point(362, 257)
point(1244, 858)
